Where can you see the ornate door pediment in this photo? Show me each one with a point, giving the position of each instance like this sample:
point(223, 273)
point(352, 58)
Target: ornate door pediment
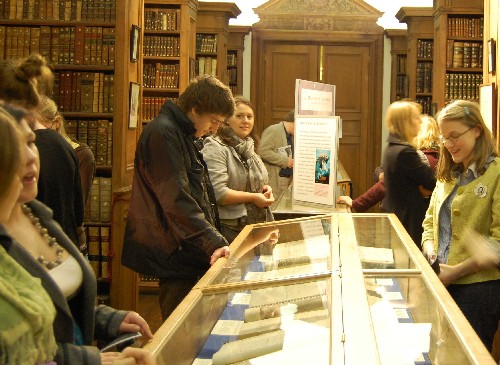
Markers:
point(318, 15)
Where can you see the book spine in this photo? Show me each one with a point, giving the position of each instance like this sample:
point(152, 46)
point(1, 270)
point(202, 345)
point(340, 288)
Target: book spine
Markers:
point(94, 249)
point(105, 199)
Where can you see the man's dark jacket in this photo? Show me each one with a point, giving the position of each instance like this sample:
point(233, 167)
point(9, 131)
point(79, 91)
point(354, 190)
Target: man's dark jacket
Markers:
point(171, 224)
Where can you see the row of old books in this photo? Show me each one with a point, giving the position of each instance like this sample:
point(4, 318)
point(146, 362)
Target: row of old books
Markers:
point(233, 75)
point(426, 103)
point(401, 87)
point(206, 65)
point(78, 45)
point(401, 64)
point(425, 49)
point(98, 243)
point(465, 27)
point(462, 86)
point(98, 207)
point(231, 60)
point(151, 106)
point(161, 19)
point(161, 46)
point(464, 54)
point(97, 134)
point(206, 43)
point(159, 75)
point(87, 92)
point(424, 77)
point(64, 10)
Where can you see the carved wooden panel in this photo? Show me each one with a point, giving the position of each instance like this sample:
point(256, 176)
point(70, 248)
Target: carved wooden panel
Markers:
point(347, 67)
point(285, 64)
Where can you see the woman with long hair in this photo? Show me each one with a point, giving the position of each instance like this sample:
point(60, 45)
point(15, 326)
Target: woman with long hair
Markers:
point(237, 173)
point(466, 198)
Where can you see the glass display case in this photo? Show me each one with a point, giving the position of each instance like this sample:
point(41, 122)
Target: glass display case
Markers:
point(329, 289)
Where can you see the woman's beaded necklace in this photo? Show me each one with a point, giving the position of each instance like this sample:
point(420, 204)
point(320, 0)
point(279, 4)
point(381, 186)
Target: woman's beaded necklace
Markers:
point(52, 242)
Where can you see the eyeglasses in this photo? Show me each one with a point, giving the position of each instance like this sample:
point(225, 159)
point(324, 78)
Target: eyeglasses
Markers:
point(453, 138)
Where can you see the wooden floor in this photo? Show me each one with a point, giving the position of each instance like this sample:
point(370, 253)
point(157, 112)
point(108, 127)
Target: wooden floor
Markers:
point(149, 309)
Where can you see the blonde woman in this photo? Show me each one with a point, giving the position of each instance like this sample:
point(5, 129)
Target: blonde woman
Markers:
point(466, 197)
point(404, 170)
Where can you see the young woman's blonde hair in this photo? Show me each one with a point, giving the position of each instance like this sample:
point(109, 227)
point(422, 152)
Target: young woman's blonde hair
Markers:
point(398, 117)
point(11, 152)
point(467, 113)
point(428, 137)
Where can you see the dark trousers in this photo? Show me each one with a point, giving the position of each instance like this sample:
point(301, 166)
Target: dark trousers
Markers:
point(480, 303)
point(172, 292)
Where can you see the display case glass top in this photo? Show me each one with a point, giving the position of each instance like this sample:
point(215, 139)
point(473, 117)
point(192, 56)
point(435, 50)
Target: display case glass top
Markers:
point(317, 290)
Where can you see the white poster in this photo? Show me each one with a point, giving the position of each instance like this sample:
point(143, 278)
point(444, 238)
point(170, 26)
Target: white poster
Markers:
point(315, 165)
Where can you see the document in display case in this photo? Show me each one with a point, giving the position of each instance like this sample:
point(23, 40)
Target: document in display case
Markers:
point(331, 289)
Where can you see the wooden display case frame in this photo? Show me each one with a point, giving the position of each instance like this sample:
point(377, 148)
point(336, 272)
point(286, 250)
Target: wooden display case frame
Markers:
point(185, 331)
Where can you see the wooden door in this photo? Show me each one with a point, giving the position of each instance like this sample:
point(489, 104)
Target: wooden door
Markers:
point(347, 67)
point(284, 63)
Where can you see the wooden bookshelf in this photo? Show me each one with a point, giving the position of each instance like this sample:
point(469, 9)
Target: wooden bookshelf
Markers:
point(167, 48)
point(399, 63)
point(420, 45)
point(78, 40)
point(212, 37)
point(235, 57)
point(458, 41)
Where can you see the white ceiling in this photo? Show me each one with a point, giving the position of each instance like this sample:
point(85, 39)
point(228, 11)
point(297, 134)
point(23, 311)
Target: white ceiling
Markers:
point(388, 7)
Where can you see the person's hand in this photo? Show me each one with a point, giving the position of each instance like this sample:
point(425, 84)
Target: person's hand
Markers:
point(134, 356)
point(344, 199)
point(267, 191)
point(428, 249)
point(133, 322)
point(448, 274)
point(290, 162)
point(107, 358)
point(260, 200)
point(220, 252)
point(482, 252)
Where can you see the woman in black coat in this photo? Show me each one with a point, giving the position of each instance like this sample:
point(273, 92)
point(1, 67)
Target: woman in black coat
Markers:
point(404, 169)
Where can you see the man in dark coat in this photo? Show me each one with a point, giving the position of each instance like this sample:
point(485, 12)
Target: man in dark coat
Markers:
point(171, 229)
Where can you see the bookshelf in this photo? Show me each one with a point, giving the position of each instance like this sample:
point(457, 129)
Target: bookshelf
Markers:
point(420, 45)
point(399, 76)
point(168, 55)
point(77, 39)
point(167, 47)
point(458, 63)
point(235, 57)
point(212, 37)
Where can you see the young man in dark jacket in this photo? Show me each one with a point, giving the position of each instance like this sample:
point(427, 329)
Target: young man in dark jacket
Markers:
point(171, 229)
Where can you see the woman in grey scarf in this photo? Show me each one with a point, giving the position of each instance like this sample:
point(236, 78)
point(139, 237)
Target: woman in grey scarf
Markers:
point(237, 173)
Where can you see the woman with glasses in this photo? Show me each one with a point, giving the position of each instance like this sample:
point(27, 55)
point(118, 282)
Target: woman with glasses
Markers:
point(405, 172)
point(466, 197)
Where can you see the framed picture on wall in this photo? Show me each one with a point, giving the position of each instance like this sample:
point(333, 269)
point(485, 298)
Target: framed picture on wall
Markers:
point(134, 43)
point(133, 115)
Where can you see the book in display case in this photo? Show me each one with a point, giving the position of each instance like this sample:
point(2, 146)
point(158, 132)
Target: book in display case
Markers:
point(78, 40)
point(458, 67)
point(331, 289)
point(420, 45)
